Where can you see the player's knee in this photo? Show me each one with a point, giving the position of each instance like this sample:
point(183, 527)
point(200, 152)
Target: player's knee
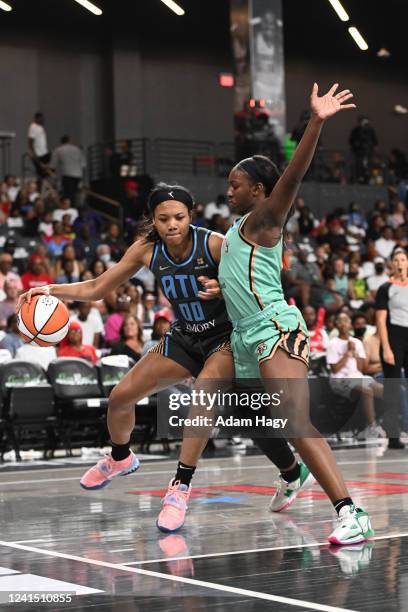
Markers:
point(119, 400)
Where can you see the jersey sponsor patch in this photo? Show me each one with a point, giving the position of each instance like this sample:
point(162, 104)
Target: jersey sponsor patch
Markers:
point(199, 327)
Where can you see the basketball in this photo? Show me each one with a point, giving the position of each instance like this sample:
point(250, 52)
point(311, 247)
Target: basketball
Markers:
point(44, 321)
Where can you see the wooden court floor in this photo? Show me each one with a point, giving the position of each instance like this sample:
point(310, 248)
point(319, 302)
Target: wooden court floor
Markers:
point(232, 554)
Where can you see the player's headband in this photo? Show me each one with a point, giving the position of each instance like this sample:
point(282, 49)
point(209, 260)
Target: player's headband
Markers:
point(166, 195)
point(250, 166)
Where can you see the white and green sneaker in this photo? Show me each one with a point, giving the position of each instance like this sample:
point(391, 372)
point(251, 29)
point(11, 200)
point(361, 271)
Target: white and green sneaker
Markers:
point(287, 492)
point(353, 527)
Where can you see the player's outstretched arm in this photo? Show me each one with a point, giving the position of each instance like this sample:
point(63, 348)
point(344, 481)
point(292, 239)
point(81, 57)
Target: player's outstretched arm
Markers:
point(277, 206)
point(137, 255)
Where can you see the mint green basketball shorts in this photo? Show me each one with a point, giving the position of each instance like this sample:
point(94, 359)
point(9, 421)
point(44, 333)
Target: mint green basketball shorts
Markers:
point(256, 338)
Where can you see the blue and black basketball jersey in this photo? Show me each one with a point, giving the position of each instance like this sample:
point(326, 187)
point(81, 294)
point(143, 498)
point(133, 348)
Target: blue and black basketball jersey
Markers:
point(180, 285)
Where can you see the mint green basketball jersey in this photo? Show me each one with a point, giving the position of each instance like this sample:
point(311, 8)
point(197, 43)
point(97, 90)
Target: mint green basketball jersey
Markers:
point(249, 274)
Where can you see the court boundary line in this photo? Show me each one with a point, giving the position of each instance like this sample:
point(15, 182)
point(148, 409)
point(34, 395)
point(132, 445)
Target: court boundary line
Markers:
point(255, 550)
point(191, 581)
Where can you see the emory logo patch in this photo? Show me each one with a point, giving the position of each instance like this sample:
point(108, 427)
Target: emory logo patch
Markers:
point(261, 348)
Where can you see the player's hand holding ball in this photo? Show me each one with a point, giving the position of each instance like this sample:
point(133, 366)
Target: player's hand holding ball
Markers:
point(43, 319)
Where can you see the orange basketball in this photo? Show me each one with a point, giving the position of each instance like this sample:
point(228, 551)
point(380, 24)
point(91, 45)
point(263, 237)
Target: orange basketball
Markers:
point(44, 321)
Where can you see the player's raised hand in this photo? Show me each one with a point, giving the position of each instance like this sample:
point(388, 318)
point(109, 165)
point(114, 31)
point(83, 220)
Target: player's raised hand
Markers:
point(331, 103)
point(211, 288)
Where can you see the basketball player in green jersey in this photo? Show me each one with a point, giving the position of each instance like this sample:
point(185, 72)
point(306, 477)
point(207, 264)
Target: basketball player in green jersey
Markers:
point(270, 338)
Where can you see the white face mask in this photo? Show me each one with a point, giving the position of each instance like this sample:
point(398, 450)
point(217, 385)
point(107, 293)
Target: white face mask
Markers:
point(105, 257)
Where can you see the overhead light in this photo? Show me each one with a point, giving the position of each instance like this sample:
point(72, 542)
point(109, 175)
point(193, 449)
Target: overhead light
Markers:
point(90, 6)
point(174, 7)
point(4, 6)
point(340, 10)
point(400, 110)
point(383, 52)
point(358, 39)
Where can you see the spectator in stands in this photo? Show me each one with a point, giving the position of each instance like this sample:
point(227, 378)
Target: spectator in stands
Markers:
point(5, 202)
point(74, 346)
point(45, 228)
point(32, 190)
point(65, 208)
point(161, 325)
point(12, 186)
point(357, 288)
point(150, 305)
point(42, 355)
point(37, 145)
point(103, 253)
point(21, 204)
point(363, 142)
point(306, 221)
point(114, 241)
point(134, 206)
point(341, 281)
point(90, 219)
point(198, 218)
point(303, 275)
point(347, 361)
point(331, 298)
point(136, 306)
point(131, 338)
point(69, 162)
point(6, 272)
point(335, 237)
point(8, 305)
point(85, 244)
point(90, 321)
point(67, 273)
point(375, 227)
point(379, 278)
point(68, 254)
point(401, 238)
point(36, 275)
point(58, 240)
point(399, 215)
point(219, 207)
point(361, 328)
point(98, 267)
point(355, 232)
point(114, 322)
point(386, 244)
point(319, 340)
point(12, 340)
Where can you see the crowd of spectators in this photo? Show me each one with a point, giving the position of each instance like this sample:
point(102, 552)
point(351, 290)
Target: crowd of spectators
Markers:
point(332, 270)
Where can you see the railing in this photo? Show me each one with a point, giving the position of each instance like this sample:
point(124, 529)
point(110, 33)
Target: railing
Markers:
point(184, 156)
point(168, 156)
point(128, 158)
point(122, 158)
point(107, 207)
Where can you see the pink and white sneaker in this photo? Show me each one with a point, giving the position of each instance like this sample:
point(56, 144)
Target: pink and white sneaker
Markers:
point(101, 474)
point(172, 516)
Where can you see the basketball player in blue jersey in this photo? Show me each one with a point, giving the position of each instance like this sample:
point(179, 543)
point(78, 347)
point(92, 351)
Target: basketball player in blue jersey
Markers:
point(270, 338)
point(184, 259)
